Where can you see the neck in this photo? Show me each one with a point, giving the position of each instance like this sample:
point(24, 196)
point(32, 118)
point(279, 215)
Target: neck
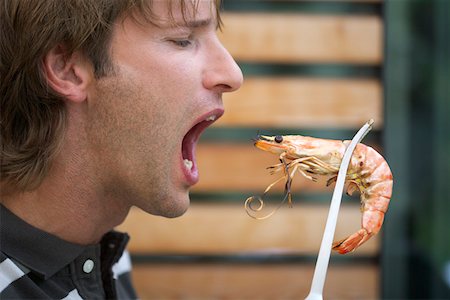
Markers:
point(72, 202)
point(79, 216)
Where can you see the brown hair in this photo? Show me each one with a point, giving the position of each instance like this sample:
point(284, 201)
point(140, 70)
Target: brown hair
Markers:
point(33, 116)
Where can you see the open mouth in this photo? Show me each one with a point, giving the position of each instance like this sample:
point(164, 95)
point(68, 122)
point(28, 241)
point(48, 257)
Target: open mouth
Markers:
point(189, 144)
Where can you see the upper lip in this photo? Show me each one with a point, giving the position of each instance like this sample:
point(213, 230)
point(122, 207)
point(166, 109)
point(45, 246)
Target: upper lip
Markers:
point(215, 113)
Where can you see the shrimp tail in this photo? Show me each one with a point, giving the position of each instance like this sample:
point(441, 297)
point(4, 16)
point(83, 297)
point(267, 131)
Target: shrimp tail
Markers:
point(371, 223)
point(352, 242)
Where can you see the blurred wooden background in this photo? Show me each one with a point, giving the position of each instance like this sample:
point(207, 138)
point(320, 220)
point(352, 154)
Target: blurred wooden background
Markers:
point(310, 68)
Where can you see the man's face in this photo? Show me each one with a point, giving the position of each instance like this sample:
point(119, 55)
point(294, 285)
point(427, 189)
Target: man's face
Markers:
point(146, 117)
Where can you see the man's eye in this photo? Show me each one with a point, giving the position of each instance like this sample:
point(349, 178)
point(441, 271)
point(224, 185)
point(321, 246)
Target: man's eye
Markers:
point(182, 43)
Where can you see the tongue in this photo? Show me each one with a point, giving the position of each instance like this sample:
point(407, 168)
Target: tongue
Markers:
point(189, 141)
point(188, 148)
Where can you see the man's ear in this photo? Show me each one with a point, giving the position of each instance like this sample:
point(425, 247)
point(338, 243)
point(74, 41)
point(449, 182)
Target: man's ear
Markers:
point(69, 75)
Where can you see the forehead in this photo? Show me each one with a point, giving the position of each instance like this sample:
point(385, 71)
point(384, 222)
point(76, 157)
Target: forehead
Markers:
point(170, 13)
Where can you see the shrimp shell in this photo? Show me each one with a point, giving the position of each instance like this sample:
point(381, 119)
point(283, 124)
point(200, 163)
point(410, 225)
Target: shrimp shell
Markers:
point(368, 173)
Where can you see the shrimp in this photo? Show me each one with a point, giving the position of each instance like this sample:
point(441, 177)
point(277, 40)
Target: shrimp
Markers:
point(367, 173)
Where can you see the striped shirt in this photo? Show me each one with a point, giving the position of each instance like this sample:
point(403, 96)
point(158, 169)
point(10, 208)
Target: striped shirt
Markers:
point(37, 265)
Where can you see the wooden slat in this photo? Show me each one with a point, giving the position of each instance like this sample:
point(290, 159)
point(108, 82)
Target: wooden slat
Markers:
point(252, 282)
point(226, 228)
point(242, 167)
point(303, 38)
point(304, 103)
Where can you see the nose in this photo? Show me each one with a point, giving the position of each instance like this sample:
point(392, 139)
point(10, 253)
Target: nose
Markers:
point(221, 74)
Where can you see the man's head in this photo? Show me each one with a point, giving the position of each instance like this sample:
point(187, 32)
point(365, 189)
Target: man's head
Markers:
point(34, 114)
point(117, 91)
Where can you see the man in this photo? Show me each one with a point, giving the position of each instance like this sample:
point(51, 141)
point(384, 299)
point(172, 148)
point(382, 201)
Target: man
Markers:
point(102, 104)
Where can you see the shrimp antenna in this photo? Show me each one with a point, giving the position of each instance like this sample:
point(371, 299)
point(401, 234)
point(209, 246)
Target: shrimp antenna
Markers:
point(249, 209)
point(287, 196)
point(257, 138)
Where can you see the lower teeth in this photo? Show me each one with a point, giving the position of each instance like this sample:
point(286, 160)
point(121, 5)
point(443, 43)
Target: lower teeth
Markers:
point(188, 163)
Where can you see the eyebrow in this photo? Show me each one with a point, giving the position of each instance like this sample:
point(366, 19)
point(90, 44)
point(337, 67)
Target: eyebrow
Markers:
point(195, 23)
point(198, 23)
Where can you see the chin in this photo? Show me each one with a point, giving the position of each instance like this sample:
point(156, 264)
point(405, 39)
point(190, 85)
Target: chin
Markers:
point(170, 207)
point(177, 210)
point(174, 213)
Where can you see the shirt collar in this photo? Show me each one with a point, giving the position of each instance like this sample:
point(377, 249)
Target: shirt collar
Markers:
point(37, 250)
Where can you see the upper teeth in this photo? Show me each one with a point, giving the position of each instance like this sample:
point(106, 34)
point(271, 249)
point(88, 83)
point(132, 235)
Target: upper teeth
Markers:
point(188, 163)
point(210, 118)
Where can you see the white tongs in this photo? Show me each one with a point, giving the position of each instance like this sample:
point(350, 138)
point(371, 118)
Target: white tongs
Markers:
point(320, 271)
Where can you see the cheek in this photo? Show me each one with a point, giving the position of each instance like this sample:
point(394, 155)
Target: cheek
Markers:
point(117, 119)
point(134, 125)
